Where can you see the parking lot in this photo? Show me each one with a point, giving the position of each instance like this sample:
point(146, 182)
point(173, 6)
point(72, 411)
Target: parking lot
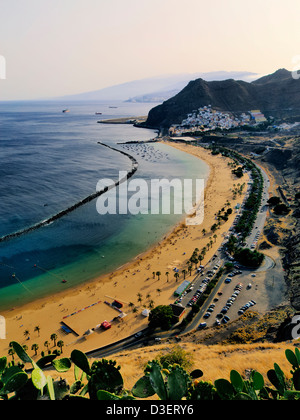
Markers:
point(235, 296)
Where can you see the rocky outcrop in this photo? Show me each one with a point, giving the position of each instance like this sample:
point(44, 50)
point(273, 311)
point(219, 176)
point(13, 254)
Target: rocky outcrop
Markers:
point(292, 265)
point(276, 95)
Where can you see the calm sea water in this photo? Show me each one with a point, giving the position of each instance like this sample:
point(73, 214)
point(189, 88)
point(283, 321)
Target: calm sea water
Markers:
point(50, 160)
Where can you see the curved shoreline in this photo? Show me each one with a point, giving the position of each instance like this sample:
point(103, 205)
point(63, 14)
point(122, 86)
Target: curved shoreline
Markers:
point(80, 203)
point(137, 277)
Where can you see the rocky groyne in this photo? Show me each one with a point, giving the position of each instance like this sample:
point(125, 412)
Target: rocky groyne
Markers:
point(80, 203)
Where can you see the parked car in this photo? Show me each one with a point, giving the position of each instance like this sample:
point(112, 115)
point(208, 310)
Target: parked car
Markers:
point(202, 326)
point(225, 320)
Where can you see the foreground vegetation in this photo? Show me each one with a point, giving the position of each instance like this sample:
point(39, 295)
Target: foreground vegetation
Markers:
point(166, 378)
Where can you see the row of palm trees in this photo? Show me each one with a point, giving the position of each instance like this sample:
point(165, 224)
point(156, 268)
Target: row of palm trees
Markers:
point(35, 347)
point(196, 256)
point(194, 260)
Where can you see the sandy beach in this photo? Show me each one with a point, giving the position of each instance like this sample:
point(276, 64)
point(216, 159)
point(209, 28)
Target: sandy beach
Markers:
point(134, 285)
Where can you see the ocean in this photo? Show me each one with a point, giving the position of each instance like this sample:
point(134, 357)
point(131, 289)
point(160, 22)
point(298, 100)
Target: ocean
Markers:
point(51, 160)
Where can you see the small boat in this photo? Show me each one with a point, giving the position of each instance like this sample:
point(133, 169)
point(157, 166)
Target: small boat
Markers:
point(98, 113)
point(113, 107)
point(66, 110)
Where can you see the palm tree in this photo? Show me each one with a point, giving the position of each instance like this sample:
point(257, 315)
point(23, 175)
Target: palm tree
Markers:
point(54, 338)
point(46, 344)
point(37, 329)
point(26, 333)
point(132, 305)
point(194, 260)
point(35, 347)
point(153, 272)
point(158, 273)
point(60, 344)
point(203, 232)
point(167, 274)
point(214, 228)
point(151, 304)
point(176, 275)
point(215, 237)
point(190, 269)
point(184, 273)
point(158, 291)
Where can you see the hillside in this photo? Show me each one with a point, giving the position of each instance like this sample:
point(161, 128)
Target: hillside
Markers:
point(215, 361)
point(276, 95)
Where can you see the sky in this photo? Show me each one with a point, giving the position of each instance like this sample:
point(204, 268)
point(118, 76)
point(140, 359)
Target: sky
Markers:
point(53, 48)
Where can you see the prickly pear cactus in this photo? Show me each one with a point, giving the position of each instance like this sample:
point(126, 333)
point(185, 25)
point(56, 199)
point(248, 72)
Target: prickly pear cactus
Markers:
point(105, 376)
point(178, 383)
point(169, 383)
point(143, 388)
point(202, 391)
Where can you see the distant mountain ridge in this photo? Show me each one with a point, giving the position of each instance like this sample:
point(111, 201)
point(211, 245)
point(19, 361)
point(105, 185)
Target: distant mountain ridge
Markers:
point(276, 95)
point(153, 88)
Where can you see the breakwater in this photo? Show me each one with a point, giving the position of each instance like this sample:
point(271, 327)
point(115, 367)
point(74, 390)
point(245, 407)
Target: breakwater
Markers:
point(80, 203)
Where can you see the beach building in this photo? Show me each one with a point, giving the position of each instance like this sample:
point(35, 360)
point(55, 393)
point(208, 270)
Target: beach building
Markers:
point(106, 325)
point(258, 116)
point(178, 292)
point(178, 312)
point(146, 313)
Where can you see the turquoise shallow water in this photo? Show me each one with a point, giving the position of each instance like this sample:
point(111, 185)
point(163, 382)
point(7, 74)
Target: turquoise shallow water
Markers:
point(49, 163)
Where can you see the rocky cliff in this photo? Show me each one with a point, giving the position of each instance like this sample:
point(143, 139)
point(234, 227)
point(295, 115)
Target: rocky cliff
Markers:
point(276, 95)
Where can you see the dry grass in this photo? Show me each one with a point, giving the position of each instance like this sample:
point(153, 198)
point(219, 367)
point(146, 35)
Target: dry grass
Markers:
point(215, 361)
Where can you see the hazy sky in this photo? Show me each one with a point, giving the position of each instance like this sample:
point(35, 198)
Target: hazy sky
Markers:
point(59, 47)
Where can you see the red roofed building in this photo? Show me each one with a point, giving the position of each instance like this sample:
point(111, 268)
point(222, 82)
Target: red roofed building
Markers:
point(106, 325)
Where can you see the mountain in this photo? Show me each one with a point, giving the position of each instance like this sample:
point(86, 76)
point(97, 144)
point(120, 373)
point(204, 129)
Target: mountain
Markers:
point(160, 87)
point(276, 95)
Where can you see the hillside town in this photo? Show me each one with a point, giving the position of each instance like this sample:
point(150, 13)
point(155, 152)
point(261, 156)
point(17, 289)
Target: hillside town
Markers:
point(208, 119)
